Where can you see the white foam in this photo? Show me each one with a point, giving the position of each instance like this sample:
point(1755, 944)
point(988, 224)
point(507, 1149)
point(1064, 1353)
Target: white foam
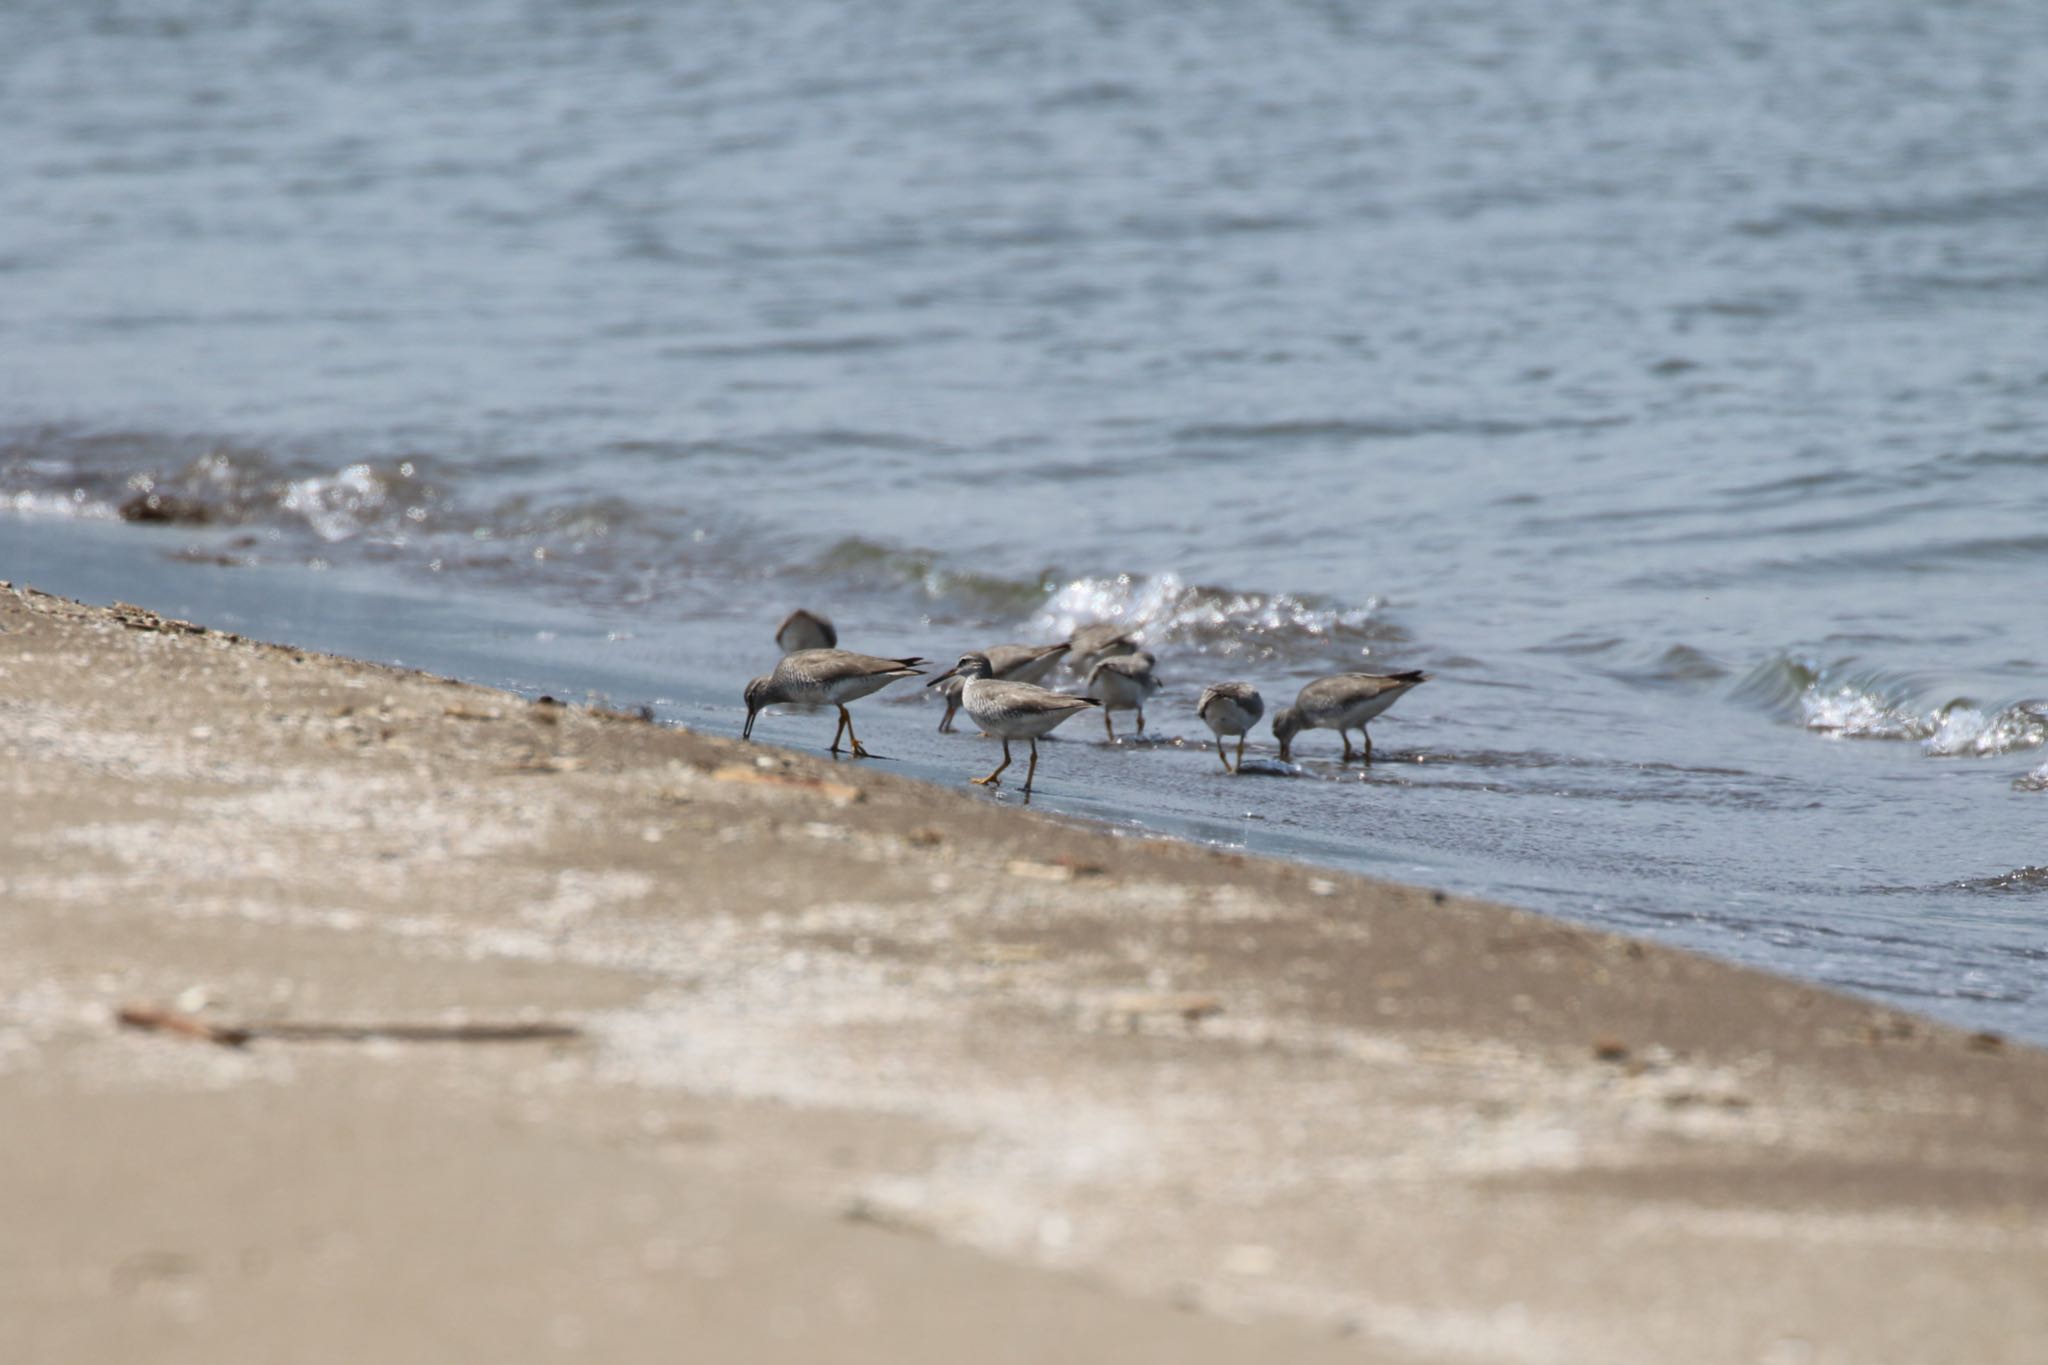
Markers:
point(1171, 610)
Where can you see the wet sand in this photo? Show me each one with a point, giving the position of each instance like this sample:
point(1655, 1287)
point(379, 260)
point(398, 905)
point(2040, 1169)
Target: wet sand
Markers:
point(868, 1069)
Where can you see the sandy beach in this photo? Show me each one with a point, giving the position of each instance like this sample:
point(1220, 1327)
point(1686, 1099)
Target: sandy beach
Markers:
point(856, 1068)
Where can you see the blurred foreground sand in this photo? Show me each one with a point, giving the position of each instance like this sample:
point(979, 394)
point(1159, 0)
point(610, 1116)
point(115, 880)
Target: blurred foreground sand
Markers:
point(871, 1070)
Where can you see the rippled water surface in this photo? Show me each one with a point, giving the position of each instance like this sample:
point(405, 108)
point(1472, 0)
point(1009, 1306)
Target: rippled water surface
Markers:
point(1671, 381)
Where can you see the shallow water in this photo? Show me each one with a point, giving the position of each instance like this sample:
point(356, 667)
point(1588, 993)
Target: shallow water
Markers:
point(1672, 385)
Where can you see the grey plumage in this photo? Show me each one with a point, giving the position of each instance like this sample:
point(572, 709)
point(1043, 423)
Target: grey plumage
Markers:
point(1230, 708)
point(1012, 663)
point(1342, 702)
point(1090, 645)
point(1122, 682)
point(1010, 710)
point(805, 630)
point(1025, 663)
point(826, 677)
point(949, 688)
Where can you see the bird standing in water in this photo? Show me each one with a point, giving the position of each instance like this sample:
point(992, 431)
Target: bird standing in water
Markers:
point(1122, 682)
point(1010, 710)
point(1012, 663)
point(949, 688)
point(826, 677)
point(1230, 708)
point(1342, 702)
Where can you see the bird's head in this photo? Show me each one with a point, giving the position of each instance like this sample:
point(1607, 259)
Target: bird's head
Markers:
point(972, 665)
point(1286, 725)
point(760, 693)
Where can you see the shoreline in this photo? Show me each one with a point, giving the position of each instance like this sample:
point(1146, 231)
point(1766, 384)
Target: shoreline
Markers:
point(1434, 829)
point(1180, 1100)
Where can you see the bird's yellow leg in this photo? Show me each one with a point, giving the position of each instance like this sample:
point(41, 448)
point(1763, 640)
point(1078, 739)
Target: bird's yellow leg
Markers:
point(1031, 771)
point(1107, 727)
point(1224, 753)
point(837, 730)
point(847, 716)
point(1240, 753)
point(992, 780)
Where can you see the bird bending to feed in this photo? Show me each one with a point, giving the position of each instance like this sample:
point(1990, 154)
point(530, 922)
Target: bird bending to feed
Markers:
point(826, 677)
point(1230, 708)
point(1121, 683)
point(1090, 645)
point(1010, 710)
point(805, 630)
point(1012, 663)
point(1342, 702)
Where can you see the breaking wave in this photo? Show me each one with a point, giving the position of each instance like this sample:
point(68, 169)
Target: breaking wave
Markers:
point(1849, 701)
point(282, 505)
point(191, 481)
point(1167, 610)
point(875, 567)
point(1224, 622)
point(261, 504)
point(2020, 879)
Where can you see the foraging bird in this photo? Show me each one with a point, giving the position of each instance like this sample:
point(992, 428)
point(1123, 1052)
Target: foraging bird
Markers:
point(1010, 710)
point(805, 630)
point(1230, 708)
point(1090, 645)
point(949, 688)
point(1012, 663)
point(1025, 663)
point(1121, 683)
point(826, 677)
point(1343, 702)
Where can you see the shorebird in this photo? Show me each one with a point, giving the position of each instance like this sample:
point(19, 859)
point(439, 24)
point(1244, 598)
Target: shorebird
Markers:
point(1090, 645)
point(1230, 708)
point(1025, 663)
point(805, 630)
point(1342, 702)
point(1121, 683)
point(1010, 710)
point(949, 688)
point(826, 677)
point(1012, 663)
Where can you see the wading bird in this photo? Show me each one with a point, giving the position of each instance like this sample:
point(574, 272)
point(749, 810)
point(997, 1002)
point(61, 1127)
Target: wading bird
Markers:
point(1012, 663)
point(826, 677)
point(1343, 702)
point(1122, 682)
point(1010, 710)
point(1230, 708)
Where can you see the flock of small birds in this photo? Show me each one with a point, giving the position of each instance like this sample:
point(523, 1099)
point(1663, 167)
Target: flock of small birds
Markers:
point(1000, 690)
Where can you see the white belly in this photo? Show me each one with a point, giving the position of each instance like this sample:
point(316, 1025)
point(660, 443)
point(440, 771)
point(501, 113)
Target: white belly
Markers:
point(1008, 710)
point(1358, 713)
point(1118, 692)
point(1226, 717)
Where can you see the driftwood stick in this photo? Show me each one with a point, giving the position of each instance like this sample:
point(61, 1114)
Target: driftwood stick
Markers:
point(414, 1033)
point(155, 1018)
